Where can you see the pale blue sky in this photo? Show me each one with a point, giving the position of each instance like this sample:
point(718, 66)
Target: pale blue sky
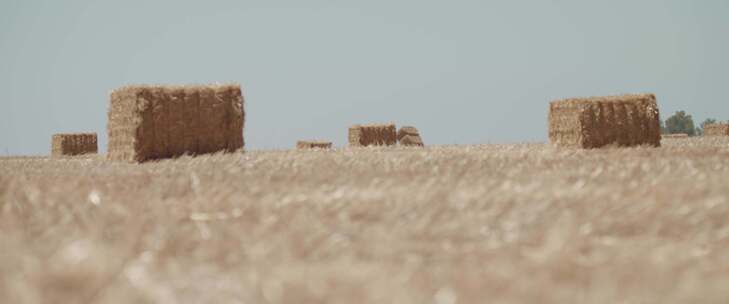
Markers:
point(463, 72)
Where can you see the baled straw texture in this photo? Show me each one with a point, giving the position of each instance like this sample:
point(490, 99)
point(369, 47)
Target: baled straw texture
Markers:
point(626, 120)
point(372, 135)
point(716, 130)
point(153, 122)
point(409, 136)
point(73, 144)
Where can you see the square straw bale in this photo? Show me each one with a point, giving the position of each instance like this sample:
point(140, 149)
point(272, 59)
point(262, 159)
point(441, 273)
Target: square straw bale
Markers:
point(407, 130)
point(372, 135)
point(409, 136)
point(720, 129)
point(69, 144)
point(625, 120)
point(313, 144)
point(411, 140)
point(154, 122)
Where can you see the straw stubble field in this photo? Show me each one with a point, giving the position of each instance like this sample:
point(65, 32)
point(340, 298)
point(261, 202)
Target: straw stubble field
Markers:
point(444, 224)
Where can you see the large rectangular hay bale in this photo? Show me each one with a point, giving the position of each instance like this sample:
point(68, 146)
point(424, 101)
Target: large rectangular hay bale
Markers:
point(721, 129)
point(626, 120)
point(372, 135)
point(153, 122)
point(68, 144)
point(313, 144)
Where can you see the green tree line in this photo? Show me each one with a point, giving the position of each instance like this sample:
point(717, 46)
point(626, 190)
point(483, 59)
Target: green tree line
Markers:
point(681, 122)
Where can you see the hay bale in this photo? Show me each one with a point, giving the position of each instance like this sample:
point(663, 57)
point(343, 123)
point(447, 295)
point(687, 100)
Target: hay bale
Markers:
point(69, 144)
point(626, 120)
point(411, 140)
point(721, 129)
point(372, 135)
point(407, 130)
point(153, 122)
point(409, 136)
point(676, 135)
point(313, 144)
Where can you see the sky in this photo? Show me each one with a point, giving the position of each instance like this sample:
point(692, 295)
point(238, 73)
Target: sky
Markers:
point(463, 72)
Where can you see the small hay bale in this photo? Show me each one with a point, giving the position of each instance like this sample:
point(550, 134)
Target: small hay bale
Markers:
point(69, 144)
point(676, 135)
point(411, 140)
point(407, 130)
point(626, 120)
point(313, 144)
point(409, 136)
point(372, 135)
point(721, 129)
point(154, 122)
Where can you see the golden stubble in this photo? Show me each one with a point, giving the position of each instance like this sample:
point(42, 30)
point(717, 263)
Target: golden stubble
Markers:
point(525, 223)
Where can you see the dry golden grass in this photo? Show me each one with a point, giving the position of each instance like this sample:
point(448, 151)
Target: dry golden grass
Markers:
point(450, 224)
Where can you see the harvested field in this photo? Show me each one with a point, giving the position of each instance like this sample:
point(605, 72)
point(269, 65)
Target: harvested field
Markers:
point(70, 144)
point(409, 136)
point(625, 120)
point(313, 144)
point(716, 130)
point(372, 135)
point(154, 122)
point(443, 224)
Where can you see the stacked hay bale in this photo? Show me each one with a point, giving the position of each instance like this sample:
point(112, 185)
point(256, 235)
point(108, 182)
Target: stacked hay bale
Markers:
point(153, 122)
point(409, 136)
point(372, 135)
point(716, 130)
point(676, 135)
point(626, 120)
point(313, 144)
point(73, 144)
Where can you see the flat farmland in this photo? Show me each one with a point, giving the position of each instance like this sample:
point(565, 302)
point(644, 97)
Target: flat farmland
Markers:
point(522, 223)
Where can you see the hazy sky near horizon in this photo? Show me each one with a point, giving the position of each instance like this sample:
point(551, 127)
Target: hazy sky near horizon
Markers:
point(463, 72)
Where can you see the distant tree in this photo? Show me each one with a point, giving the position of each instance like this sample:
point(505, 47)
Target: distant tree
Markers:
point(680, 123)
point(700, 129)
point(663, 127)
